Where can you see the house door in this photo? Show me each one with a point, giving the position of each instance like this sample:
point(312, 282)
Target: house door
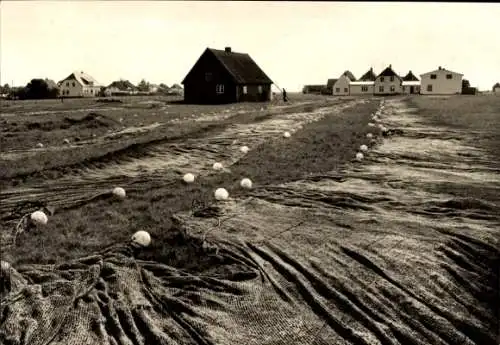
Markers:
point(412, 89)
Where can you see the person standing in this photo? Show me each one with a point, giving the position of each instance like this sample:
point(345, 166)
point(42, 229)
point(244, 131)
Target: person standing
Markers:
point(285, 99)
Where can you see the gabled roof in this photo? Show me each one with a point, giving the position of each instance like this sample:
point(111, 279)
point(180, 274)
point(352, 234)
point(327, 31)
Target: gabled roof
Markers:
point(410, 77)
point(439, 70)
point(330, 83)
point(388, 72)
point(240, 66)
point(368, 76)
point(349, 75)
point(82, 78)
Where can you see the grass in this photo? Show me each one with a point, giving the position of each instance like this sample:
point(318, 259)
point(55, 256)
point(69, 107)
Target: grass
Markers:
point(320, 146)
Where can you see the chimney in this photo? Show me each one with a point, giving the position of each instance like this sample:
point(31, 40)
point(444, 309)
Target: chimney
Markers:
point(440, 68)
point(390, 66)
point(227, 49)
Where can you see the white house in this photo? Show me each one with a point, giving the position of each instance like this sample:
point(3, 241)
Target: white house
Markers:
point(496, 88)
point(341, 86)
point(388, 83)
point(79, 84)
point(441, 82)
point(357, 88)
point(411, 84)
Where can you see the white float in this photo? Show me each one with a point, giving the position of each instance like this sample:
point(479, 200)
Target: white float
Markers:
point(217, 166)
point(244, 149)
point(39, 218)
point(141, 238)
point(246, 183)
point(363, 148)
point(287, 135)
point(359, 156)
point(369, 135)
point(188, 178)
point(221, 194)
point(119, 192)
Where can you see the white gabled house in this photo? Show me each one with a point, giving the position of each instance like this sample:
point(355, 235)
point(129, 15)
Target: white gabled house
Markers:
point(365, 84)
point(411, 84)
point(441, 82)
point(388, 82)
point(79, 84)
point(341, 86)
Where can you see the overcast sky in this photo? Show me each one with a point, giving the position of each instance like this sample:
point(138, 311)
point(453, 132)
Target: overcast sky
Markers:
point(295, 43)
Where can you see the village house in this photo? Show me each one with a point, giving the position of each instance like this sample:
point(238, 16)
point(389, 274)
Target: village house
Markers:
point(388, 83)
point(79, 84)
point(120, 88)
point(496, 88)
point(364, 85)
point(441, 82)
point(224, 76)
point(411, 84)
point(341, 86)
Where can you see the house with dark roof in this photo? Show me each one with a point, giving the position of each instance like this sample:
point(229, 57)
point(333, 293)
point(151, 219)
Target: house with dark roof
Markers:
point(224, 76)
point(411, 84)
point(79, 84)
point(388, 82)
point(329, 85)
point(364, 85)
point(496, 88)
point(120, 87)
point(315, 89)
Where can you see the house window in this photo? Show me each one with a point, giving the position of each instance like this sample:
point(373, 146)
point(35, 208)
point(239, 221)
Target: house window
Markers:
point(380, 89)
point(337, 89)
point(382, 79)
point(429, 87)
point(449, 76)
point(392, 78)
point(393, 88)
point(245, 90)
point(364, 88)
point(67, 83)
point(346, 89)
point(260, 88)
point(219, 88)
point(433, 76)
point(73, 84)
point(208, 76)
point(91, 91)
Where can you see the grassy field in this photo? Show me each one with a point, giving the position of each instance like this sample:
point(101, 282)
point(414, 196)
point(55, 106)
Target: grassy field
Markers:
point(401, 248)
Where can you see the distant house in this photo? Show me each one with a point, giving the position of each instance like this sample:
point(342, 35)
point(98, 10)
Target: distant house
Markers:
point(364, 85)
point(120, 88)
point(224, 76)
point(388, 82)
point(411, 84)
point(314, 89)
point(441, 82)
point(79, 84)
point(329, 86)
point(496, 88)
point(341, 86)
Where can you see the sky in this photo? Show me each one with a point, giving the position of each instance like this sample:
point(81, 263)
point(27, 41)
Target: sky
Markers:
point(295, 43)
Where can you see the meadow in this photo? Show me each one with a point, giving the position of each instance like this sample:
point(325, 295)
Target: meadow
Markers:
point(399, 248)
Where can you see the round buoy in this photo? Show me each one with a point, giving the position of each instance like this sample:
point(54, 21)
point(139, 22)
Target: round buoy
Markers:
point(359, 156)
point(39, 218)
point(371, 124)
point(369, 135)
point(119, 192)
point(188, 178)
point(39, 145)
point(217, 166)
point(66, 141)
point(221, 194)
point(287, 135)
point(141, 239)
point(244, 149)
point(246, 183)
point(363, 148)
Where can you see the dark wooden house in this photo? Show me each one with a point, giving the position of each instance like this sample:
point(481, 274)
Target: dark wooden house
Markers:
point(224, 76)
